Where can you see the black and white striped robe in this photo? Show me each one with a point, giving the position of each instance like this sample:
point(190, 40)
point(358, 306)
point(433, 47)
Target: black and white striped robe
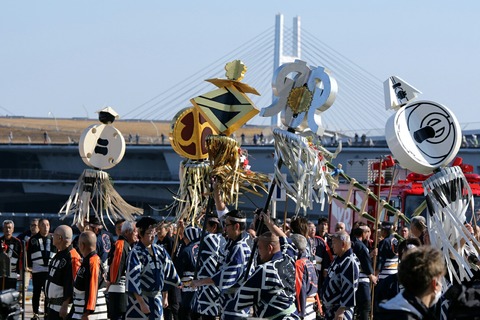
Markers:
point(271, 287)
point(206, 301)
point(365, 265)
point(231, 275)
point(387, 261)
point(148, 275)
point(340, 285)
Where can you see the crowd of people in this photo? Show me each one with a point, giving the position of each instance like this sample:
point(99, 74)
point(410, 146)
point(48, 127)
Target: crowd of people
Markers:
point(227, 269)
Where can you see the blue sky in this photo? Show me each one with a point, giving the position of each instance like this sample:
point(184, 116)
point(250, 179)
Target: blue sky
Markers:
point(70, 58)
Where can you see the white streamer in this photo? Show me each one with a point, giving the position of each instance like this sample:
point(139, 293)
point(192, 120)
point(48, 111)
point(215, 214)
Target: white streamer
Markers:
point(305, 168)
point(95, 191)
point(448, 196)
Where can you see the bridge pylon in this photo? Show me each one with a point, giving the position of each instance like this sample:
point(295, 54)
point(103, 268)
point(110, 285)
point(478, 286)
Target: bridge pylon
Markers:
point(280, 56)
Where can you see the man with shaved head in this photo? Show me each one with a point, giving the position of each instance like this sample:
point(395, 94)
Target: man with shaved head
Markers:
point(270, 290)
point(61, 274)
point(89, 287)
point(340, 226)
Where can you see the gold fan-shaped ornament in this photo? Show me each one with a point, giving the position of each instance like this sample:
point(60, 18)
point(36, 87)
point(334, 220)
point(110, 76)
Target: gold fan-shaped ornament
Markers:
point(300, 99)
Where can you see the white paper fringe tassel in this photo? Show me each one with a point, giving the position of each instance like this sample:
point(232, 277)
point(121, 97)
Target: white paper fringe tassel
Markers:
point(448, 197)
point(194, 186)
point(94, 191)
point(305, 168)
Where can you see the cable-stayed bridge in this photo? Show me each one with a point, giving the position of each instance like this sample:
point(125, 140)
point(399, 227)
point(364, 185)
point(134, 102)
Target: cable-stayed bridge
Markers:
point(358, 108)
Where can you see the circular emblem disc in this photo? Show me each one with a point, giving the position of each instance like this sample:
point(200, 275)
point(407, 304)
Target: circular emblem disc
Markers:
point(189, 129)
point(101, 146)
point(423, 136)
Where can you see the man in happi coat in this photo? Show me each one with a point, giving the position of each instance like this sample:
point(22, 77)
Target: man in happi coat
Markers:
point(40, 250)
point(366, 275)
point(116, 276)
point(323, 251)
point(89, 287)
point(104, 239)
point(233, 268)
point(206, 301)
point(338, 291)
point(271, 287)
point(13, 249)
point(387, 261)
point(165, 240)
point(61, 273)
point(185, 265)
point(150, 273)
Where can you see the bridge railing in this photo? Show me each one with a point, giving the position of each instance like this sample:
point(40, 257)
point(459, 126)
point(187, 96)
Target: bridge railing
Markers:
point(41, 174)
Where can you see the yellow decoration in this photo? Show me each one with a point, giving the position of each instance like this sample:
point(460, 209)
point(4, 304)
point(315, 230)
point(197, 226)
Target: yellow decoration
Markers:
point(224, 157)
point(300, 99)
point(194, 185)
point(189, 130)
point(226, 109)
point(235, 70)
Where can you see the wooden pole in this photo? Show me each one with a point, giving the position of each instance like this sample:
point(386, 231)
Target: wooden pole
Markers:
point(260, 224)
point(285, 216)
point(377, 216)
point(175, 244)
point(209, 211)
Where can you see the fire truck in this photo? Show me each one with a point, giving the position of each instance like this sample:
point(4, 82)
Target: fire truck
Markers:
point(401, 189)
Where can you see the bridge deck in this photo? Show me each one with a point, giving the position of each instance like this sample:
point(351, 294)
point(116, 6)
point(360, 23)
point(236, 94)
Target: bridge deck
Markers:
point(61, 131)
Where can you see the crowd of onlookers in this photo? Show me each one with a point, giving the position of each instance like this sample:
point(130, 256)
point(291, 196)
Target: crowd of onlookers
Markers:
point(228, 269)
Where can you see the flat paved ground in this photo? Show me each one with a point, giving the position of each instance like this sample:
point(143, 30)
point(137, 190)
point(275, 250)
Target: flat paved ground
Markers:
point(28, 306)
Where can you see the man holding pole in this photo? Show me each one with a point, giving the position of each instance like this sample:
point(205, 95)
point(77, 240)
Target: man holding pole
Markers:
point(271, 287)
point(206, 304)
point(387, 262)
point(233, 269)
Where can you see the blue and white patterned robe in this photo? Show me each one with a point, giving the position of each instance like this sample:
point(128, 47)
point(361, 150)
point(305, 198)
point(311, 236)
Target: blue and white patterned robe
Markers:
point(185, 265)
point(206, 301)
point(340, 285)
point(387, 261)
point(231, 275)
point(148, 276)
point(271, 288)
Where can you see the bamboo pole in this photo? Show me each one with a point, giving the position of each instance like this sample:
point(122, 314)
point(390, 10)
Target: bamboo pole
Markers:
point(377, 216)
point(368, 193)
point(285, 216)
